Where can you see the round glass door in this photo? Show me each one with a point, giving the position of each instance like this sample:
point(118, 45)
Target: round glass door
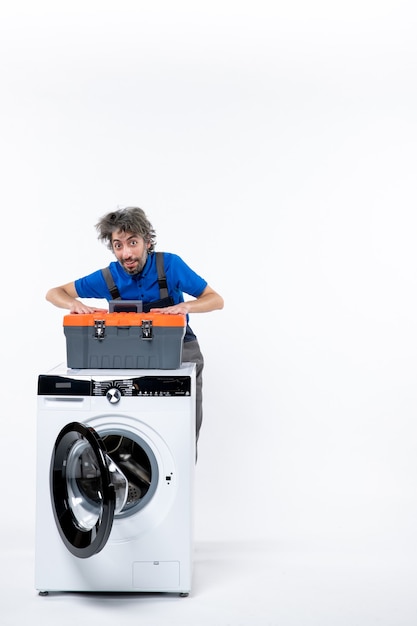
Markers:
point(87, 489)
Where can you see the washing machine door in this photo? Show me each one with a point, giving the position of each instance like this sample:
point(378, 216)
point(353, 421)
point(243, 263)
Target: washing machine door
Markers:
point(87, 489)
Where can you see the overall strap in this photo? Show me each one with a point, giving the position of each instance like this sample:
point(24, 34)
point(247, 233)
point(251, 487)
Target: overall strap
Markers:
point(110, 283)
point(162, 281)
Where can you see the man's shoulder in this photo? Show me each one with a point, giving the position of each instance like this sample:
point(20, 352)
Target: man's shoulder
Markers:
point(170, 257)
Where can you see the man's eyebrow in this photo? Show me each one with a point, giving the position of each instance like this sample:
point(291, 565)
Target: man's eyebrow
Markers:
point(128, 239)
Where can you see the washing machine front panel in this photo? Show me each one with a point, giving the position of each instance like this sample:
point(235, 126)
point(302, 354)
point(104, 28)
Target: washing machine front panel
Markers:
point(152, 530)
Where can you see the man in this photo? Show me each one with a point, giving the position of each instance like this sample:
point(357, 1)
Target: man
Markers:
point(134, 276)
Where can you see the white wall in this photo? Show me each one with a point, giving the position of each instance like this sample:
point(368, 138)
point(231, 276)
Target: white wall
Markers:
point(273, 146)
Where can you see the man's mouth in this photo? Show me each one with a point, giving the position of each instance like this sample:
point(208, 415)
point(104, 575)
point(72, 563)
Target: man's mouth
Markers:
point(130, 264)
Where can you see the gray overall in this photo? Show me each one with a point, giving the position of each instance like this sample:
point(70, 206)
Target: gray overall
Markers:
point(191, 352)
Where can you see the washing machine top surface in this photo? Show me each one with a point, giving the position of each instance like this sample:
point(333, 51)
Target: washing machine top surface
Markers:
point(186, 369)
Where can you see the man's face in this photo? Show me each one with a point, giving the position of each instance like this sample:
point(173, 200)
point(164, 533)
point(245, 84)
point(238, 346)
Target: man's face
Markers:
point(131, 251)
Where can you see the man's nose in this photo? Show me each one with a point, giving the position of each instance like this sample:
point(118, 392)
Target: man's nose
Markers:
point(126, 252)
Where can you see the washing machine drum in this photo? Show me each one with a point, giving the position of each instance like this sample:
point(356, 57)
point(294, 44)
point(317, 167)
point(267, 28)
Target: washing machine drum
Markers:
point(87, 489)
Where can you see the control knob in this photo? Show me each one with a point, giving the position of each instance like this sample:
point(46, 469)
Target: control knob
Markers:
point(113, 395)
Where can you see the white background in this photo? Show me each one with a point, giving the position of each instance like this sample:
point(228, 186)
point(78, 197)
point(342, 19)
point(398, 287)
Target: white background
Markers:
point(273, 147)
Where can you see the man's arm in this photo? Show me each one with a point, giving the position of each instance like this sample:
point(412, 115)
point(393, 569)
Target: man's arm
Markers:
point(208, 300)
point(66, 297)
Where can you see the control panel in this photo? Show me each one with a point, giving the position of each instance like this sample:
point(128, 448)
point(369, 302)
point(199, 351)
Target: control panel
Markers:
point(140, 386)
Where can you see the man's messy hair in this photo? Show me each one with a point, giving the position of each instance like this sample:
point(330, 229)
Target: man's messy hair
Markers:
point(131, 220)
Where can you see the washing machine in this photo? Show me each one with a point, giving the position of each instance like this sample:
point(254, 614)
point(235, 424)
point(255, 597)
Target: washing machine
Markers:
point(115, 475)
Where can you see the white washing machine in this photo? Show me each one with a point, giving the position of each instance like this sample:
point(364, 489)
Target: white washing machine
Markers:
point(115, 473)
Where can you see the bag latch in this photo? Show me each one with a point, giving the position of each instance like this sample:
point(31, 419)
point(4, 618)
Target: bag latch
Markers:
point(99, 329)
point(146, 329)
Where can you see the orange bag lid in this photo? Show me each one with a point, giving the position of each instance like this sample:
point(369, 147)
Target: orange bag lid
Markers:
point(125, 319)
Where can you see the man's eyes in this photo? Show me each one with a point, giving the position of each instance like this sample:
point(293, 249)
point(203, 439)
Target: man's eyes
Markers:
point(132, 243)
